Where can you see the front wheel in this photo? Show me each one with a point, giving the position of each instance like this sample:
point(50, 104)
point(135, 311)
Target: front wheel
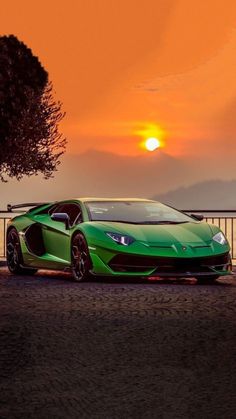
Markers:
point(80, 258)
point(207, 279)
point(14, 255)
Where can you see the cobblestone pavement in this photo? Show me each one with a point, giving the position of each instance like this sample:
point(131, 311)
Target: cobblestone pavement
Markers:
point(116, 350)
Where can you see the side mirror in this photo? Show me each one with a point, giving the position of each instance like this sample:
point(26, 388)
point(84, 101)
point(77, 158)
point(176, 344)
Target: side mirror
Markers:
point(198, 217)
point(62, 217)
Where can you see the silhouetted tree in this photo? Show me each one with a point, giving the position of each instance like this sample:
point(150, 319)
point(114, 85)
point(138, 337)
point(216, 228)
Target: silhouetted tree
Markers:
point(30, 141)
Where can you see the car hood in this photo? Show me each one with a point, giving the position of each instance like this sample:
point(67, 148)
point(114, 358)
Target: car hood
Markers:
point(192, 232)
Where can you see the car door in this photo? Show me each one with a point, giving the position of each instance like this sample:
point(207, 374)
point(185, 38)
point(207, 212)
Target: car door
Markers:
point(56, 236)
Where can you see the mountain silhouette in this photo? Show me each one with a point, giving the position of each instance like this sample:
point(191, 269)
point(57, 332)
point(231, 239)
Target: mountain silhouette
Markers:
point(214, 194)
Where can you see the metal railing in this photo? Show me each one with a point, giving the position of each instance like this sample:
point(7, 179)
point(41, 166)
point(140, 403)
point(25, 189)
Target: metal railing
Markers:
point(225, 219)
point(3, 229)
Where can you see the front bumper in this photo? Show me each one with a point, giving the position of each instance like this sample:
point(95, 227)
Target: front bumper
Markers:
point(123, 264)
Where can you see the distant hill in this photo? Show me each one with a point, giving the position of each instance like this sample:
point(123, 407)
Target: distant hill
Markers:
point(213, 194)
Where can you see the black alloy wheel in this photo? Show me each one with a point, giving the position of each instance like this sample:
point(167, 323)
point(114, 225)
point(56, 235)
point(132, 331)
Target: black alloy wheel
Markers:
point(14, 255)
point(80, 258)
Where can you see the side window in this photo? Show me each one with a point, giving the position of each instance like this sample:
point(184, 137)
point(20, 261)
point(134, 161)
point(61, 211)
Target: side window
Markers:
point(79, 218)
point(55, 208)
point(47, 210)
point(73, 210)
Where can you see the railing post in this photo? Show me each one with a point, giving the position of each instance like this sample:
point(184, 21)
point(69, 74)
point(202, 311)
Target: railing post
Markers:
point(4, 235)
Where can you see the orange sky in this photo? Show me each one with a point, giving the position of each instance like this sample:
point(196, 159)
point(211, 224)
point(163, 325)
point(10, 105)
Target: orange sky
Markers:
point(121, 67)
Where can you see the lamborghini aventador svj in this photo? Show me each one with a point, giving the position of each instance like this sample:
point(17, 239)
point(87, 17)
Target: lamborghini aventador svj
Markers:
point(117, 238)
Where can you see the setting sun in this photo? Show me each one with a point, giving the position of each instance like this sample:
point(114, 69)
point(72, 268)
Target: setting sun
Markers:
point(153, 136)
point(152, 144)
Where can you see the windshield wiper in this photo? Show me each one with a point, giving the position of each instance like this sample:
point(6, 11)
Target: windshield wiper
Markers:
point(163, 222)
point(117, 221)
point(144, 222)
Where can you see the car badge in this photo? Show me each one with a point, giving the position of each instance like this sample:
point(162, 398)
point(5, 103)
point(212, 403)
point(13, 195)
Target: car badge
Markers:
point(184, 248)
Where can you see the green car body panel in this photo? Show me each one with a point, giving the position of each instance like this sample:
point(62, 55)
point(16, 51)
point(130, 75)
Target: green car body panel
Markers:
point(188, 242)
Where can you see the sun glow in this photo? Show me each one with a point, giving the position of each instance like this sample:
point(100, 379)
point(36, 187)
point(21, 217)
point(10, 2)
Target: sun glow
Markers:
point(152, 136)
point(152, 144)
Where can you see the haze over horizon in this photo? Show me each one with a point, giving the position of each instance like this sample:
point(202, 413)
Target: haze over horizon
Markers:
point(155, 175)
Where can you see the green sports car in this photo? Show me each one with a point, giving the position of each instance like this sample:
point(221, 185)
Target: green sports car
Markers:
point(115, 237)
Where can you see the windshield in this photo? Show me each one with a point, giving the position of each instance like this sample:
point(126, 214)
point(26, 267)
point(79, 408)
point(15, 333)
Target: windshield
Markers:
point(135, 212)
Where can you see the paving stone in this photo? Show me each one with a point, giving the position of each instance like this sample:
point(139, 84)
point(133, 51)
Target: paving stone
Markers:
point(116, 349)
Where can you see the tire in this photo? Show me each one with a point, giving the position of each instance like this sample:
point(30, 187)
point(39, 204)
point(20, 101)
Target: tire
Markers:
point(207, 279)
point(80, 258)
point(14, 255)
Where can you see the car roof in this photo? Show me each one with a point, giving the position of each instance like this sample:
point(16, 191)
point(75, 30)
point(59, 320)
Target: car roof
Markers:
point(91, 199)
point(95, 199)
point(36, 209)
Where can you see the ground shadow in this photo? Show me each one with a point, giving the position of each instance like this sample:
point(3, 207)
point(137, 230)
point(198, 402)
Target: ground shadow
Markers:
point(44, 275)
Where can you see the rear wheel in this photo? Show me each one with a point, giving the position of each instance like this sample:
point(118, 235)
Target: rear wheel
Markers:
point(207, 279)
point(14, 255)
point(81, 262)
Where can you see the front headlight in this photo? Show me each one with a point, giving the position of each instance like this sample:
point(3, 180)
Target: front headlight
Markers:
point(220, 238)
point(121, 238)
